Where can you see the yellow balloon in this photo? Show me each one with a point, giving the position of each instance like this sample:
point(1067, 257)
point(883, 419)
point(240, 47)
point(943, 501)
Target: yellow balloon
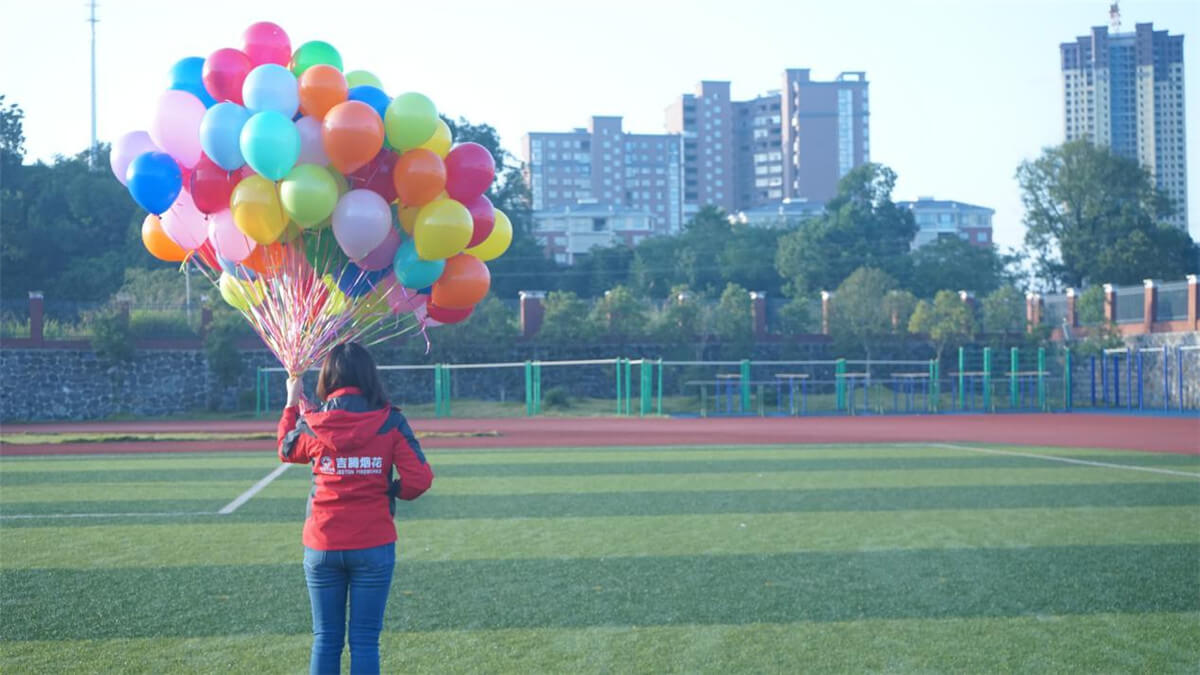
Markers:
point(408, 218)
point(337, 301)
point(442, 229)
point(373, 304)
point(497, 242)
point(240, 295)
point(291, 233)
point(257, 211)
point(440, 141)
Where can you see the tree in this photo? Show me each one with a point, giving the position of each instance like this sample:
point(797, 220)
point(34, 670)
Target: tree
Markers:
point(954, 263)
point(861, 227)
point(566, 319)
point(1083, 206)
point(620, 315)
point(859, 319)
point(488, 333)
point(1003, 311)
point(12, 137)
point(1089, 306)
point(796, 316)
point(946, 321)
point(732, 321)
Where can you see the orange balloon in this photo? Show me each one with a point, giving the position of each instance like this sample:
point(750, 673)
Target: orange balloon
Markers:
point(463, 283)
point(419, 176)
point(321, 88)
point(266, 260)
point(158, 243)
point(352, 134)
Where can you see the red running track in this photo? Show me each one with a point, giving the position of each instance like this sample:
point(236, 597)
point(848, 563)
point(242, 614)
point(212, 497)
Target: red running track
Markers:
point(1085, 430)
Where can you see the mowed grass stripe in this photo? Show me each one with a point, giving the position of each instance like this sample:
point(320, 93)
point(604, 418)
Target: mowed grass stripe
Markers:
point(1152, 642)
point(581, 592)
point(582, 505)
point(208, 543)
point(110, 492)
point(729, 464)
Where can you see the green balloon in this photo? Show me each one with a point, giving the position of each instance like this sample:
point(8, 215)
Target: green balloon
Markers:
point(308, 194)
point(410, 120)
point(315, 53)
point(361, 78)
point(323, 253)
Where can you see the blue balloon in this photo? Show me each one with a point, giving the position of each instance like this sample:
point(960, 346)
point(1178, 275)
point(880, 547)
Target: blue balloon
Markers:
point(154, 181)
point(236, 270)
point(271, 144)
point(188, 75)
point(427, 290)
point(221, 133)
point(271, 87)
point(411, 271)
point(372, 96)
point(354, 281)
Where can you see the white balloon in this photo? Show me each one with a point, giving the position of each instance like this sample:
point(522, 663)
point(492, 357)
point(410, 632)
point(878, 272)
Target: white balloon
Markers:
point(176, 126)
point(312, 148)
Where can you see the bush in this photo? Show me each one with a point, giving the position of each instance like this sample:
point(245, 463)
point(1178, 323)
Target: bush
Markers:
point(556, 397)
point(161, 324)
point(220, 345)
point(112, 338)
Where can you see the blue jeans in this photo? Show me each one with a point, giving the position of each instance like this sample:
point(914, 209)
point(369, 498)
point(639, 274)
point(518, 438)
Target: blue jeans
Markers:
point(367, 574)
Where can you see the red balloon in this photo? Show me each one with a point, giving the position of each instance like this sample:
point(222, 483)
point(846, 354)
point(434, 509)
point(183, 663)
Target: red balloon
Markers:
point(484, 217)
point(470, 170)
point(447, 316)
point(376, 175)
point(224, 72)
point(265, 42)
point(210, 185)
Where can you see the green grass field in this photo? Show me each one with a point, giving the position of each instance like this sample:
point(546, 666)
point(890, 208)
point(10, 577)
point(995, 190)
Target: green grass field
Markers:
point(740, 559)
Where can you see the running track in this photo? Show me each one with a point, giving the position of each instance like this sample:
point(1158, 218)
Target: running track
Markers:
point(1127, 432)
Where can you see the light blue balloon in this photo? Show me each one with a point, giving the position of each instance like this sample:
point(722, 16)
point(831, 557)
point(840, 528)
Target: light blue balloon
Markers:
point(271, 87)
point(220, 134)
point(271, 144)
point(187, 75)
point(411, 271)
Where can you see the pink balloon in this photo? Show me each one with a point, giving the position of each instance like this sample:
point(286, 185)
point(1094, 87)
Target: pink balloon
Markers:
point(176, 126)
point(361, 221)
point(227, 239)
point(383, 254)
point(265, 42)
point(484, 217)
point(404, 300)
point(184, 223)
point(422, 314)
point(312, 148)
point(224, 72)
point(126, 149)
point(470, 170)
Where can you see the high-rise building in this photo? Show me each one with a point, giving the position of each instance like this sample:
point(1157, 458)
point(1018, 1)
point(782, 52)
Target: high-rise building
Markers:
point(825, 132)
point(605, 165)
point(1125, 91)
point(795, 143)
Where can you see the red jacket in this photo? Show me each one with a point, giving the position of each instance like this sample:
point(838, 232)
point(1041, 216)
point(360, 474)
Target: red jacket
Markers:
point(353, 450)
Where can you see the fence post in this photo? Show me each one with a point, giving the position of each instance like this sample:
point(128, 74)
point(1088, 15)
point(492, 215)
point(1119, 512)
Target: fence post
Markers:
point(934, 388)
point(628, 386)
point(1014, 363)
point(537, 387)
point(1166, 363)
point(840, 384)
point(1141, 400)
point(37, 317)
point(745, 380)
point(660, 386)
point(987, 379)
point(1129, 378)
point(437, 390)
point(618, 386)
point(1067, 375)
point(1041, 379)
point(257, 392)
point(962, 389)
point(528, 389)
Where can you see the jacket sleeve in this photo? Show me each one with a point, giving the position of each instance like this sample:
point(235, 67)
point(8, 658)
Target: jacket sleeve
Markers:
point(294, 439)
point(415, 474)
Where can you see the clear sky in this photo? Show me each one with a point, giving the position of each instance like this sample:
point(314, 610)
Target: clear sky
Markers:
point(961, 90)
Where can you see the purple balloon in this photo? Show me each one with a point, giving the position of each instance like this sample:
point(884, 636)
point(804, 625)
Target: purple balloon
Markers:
point(126, 149)
point(361, 221)
point(383, 254)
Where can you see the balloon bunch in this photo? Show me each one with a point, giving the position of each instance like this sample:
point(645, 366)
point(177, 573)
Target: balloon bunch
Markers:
point(321, 208)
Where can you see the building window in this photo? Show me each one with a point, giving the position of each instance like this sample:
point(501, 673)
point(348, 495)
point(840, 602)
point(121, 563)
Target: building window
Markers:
point(599, 224)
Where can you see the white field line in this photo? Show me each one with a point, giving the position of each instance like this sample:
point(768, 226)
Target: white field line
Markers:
point(254, 489)
point(1068, 460)
point(168, 514)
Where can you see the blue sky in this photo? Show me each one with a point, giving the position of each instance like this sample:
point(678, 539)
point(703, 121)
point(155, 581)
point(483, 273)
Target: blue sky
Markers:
point(961, 90)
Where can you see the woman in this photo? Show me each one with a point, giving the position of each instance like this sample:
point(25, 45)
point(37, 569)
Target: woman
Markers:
point(354, 442)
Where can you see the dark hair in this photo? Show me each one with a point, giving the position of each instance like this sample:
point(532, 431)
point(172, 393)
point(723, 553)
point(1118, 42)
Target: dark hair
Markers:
point(350, 365)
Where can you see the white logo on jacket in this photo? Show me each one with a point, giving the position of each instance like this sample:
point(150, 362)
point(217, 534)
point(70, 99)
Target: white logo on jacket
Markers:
point(351, 466)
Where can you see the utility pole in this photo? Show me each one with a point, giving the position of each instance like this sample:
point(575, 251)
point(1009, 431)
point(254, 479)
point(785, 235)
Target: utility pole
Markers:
point(93, 148)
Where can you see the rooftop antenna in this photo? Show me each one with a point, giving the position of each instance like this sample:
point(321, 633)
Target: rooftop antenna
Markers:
point(92, 150)
point(1114, 16)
